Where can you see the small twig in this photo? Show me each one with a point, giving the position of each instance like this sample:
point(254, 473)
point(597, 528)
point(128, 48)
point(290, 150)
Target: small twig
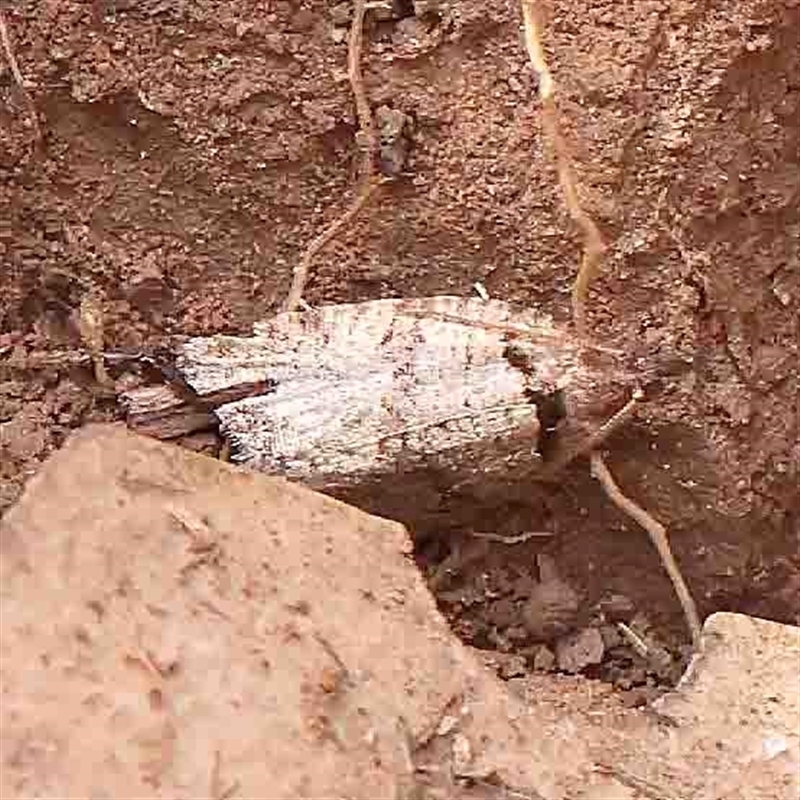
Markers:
point(635, 641)
point(367, 141)
point(519, 539)
point(658, 657)
point(614, 422)
point(593, 245)
point(367, 133)
point(8, 52)
point(658, 535)
point(594, 441)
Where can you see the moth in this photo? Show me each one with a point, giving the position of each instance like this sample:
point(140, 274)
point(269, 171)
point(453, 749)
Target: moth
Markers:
point(343, 394)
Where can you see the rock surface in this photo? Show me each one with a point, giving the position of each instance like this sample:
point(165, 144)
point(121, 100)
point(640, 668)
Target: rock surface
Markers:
point(175, 627)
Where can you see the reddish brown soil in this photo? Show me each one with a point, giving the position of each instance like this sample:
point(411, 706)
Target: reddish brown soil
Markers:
point(190, 151)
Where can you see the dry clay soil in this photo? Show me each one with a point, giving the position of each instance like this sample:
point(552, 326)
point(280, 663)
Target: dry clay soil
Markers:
point(189, 151)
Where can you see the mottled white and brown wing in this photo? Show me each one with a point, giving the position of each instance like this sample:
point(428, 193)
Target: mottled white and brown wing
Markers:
point(368, 389)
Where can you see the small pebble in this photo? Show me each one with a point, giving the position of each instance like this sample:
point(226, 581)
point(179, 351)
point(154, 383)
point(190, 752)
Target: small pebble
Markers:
point(579, 650)
point(552, 606)
point(550, 611)
point(512, 667)
point(544, 659)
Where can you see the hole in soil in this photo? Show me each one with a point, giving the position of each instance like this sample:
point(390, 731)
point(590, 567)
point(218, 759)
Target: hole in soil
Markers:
point(555, 578)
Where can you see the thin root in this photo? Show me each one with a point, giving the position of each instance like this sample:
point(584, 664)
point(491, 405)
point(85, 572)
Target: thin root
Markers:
point(368, 182)
point(318, 243)
point(635, 641)
point(8, 52)
point(519, 539)
point(658, 535)
point(593, 245)
point(594, 441)
point(367, 136)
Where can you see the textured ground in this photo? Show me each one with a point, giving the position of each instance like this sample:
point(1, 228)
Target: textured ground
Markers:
point(189, 152)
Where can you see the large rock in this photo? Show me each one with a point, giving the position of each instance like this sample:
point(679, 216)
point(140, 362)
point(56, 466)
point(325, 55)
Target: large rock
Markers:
point(173, 627)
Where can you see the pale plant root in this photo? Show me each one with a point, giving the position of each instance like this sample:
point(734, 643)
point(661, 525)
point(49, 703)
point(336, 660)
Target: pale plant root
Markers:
point(658, 535)
point(593, 245)
point(593, 251)
point(16, 73)
point(368, 181)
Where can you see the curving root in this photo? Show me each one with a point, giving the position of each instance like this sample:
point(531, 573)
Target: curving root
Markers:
point(610, 426)
point(8, 52)
point(593, 250)
point(367, 141)
point(593, 245)
point(658, 535)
